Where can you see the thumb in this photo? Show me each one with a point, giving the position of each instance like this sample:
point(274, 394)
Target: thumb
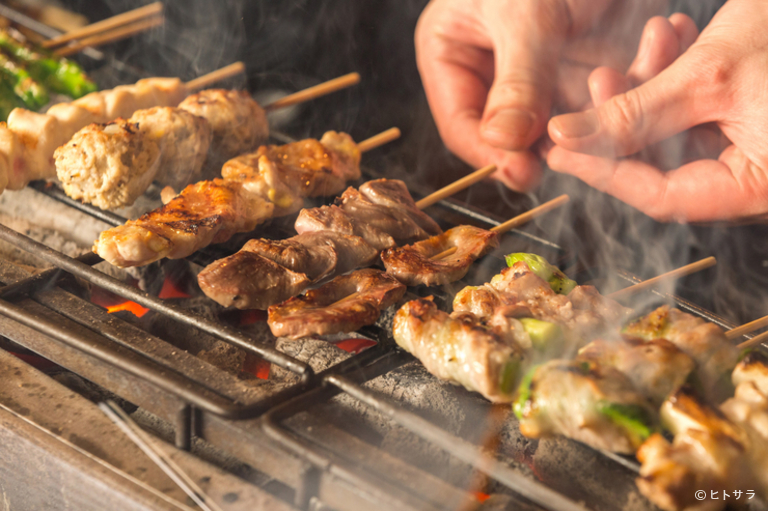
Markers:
point(526, 51)
point(668, 104)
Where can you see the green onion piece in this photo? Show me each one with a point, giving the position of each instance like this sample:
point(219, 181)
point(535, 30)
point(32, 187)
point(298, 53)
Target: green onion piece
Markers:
point(636, 420)
point(543, 334)
point(557, 280)
point(524, 393)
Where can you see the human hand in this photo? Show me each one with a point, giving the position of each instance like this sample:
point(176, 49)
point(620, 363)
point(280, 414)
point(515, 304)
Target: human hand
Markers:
point(717, 86)
point(493, 70)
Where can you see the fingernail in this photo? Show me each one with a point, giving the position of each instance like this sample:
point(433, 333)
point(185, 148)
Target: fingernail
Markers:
point(510, 122)
point(576, 125)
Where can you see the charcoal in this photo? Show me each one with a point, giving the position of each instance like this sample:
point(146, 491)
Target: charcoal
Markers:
point(320, 355)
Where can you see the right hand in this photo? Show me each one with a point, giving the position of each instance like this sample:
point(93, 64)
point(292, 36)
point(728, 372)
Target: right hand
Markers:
point(493, 70)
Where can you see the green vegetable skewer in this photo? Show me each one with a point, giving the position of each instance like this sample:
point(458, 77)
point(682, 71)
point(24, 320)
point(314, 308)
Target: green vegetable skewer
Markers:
point(26, 88)
point(8, 98)
point(557, 280)
point(58, 74)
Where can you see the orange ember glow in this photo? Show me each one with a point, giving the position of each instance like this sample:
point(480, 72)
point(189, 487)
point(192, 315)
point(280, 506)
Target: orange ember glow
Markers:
point(248, 317)
point(171, 290)
point(129, 306)
point(481, 497)
point(256, 366)
point(355, 345)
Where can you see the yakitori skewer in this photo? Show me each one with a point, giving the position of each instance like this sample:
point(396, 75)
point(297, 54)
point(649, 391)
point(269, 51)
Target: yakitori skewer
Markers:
point(664, 277)
point(333, 307)
point(322, 89)
point(110, 36)
point(456, 186)
point(201, 82)
point(758, 339)
point(251, 192)
point(119, 20)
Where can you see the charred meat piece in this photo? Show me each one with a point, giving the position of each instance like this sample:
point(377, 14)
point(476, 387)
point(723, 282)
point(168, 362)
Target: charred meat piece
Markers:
point(237, 122)
point(460, 349)
point(203, 213)
point(183, 139)
point(333, 218)
point(344, 304)
point(585, 401)
point(239, 280)
point(413, 264)
point(656, 368)
point(704, 342)
point(708, 453)
point(309, 168)
point(108, 165)
point(250, 281)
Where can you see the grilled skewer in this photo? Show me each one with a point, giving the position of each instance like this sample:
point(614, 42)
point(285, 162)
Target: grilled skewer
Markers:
point(29, 139)
point(212, 211)
point(111, 165)
point(473, 242)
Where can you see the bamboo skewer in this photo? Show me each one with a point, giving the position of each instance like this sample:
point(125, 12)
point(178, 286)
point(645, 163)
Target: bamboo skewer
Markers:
point(342, 82)
point(758, 339)
point(456, 186)
point(737, 332)
point(225, 72)
point(664, 277)
point(108, 24)
point(111, 36)
point(378, 140)
point(516, 221)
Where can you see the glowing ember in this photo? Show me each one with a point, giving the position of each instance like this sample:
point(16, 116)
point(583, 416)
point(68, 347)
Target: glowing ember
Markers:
point(481, 497)
point(256, 366)
point(129, 306)
point(171, 290)
point(251, 316)
point(355, 345)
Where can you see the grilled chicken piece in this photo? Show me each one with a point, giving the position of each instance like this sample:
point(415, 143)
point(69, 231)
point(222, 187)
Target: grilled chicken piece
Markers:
point(108, 165)
point(656, 368)
point(232, 280)
point(521, 293)
point(752, 368)
point(183, 138)
point(310, 168)
point(589, 299)
point(708, 453)
point(203, 213)
point(238, 123)
point(331, 308)
point(586, 401)
point(233, 284)
point(333, 218)
point(460, 349)
point(704, 342)
point(413, 264)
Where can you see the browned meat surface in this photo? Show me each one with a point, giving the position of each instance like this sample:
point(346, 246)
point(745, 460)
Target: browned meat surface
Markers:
point(752, 368)
point(309, 168)
point(413, 264)
point(588, 298)
point(249, 281)
point(204, 213)
point(703, 341)
point(709, 452)
point(313, 255)
point(333, 218)
point(656, 368)
point(459, 348)
point(344, 304)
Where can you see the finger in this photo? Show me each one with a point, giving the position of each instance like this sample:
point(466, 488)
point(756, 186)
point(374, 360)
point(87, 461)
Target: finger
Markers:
point(687, 31)
point(604, 83)
point(528, 36)
point(667, 104)
point(701, 191)
point(659, 47)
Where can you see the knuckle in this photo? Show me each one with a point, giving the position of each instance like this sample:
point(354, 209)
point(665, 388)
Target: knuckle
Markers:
point(626, 113)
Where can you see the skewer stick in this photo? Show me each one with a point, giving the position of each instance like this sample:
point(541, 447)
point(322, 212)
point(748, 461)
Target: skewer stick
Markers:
point(456, 186)
point(378, 140)
point(664, 277)
point(225, 72)
point(111, 36)
point(107, 24)
point(753, 341)
point(737, 332)
point(342, 82)
point(516, 221)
